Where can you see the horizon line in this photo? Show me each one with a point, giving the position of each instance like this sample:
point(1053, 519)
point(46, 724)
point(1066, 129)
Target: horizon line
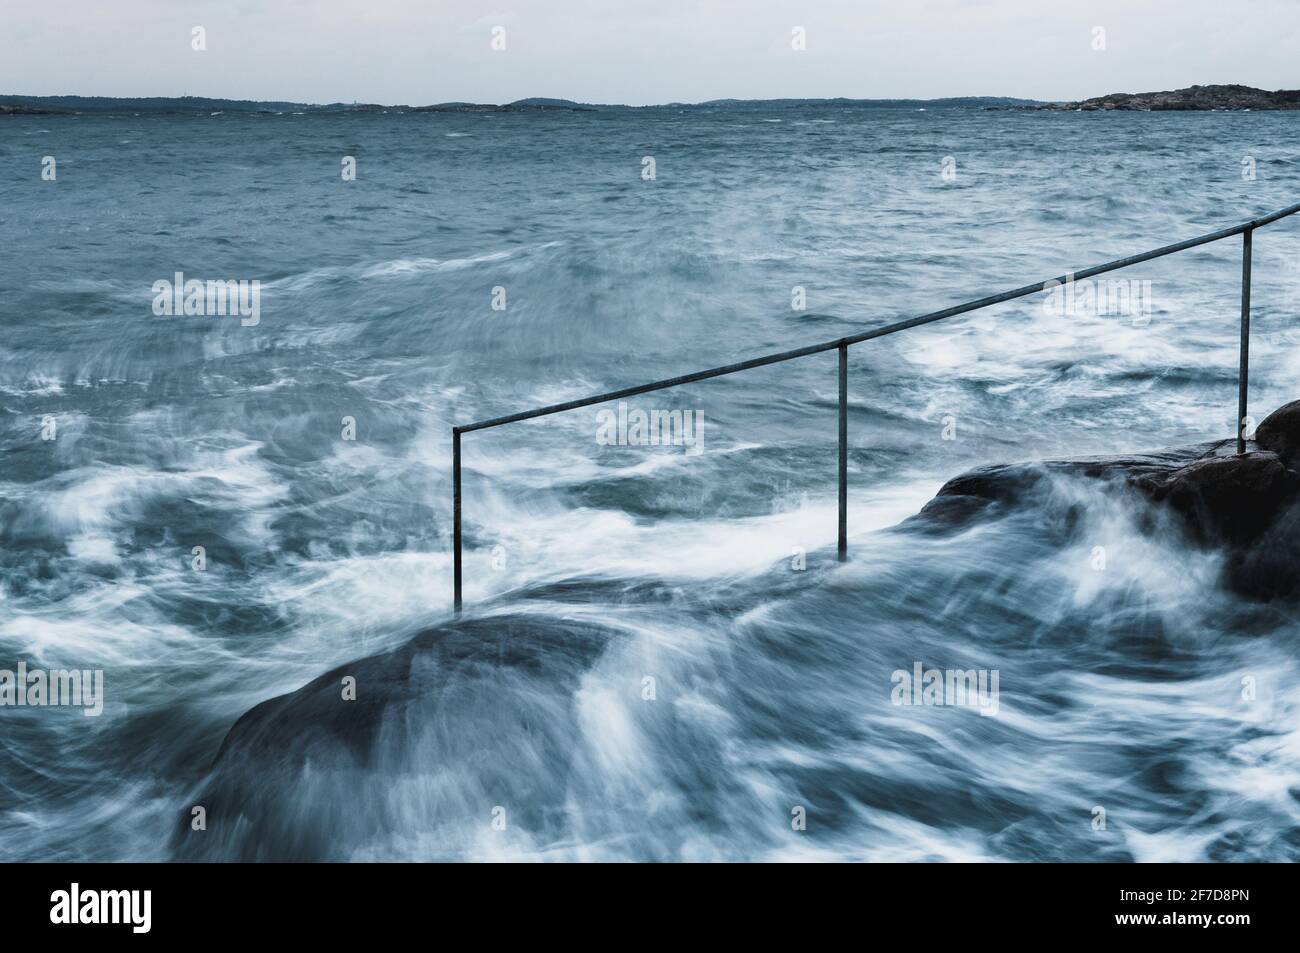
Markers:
point(528, 99)
point(563, 102)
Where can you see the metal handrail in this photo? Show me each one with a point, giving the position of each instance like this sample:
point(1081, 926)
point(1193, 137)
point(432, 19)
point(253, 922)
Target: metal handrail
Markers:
point(842, 344)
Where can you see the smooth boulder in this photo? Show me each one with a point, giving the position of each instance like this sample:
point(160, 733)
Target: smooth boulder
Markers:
point(1280, 433)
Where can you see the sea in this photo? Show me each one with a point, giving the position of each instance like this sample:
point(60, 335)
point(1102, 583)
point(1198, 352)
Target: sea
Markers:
point(659, 656)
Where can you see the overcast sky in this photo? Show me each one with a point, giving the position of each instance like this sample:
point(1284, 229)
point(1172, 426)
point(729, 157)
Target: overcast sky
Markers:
point(640, 51)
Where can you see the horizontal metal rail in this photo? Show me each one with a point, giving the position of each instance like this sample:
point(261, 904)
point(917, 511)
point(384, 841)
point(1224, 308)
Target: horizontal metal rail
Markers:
point(842, 344)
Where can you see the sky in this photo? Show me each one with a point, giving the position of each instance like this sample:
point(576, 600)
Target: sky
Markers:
point(640, 51)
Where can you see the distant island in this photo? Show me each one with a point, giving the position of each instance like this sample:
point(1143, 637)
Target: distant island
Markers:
point(1193, 98)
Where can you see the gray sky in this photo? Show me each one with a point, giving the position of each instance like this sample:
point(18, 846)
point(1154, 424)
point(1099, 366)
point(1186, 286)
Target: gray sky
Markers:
point(640, 51)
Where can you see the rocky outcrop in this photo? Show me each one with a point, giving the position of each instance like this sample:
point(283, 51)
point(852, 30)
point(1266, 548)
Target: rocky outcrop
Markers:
point(1246, 504)
point(1225, 497)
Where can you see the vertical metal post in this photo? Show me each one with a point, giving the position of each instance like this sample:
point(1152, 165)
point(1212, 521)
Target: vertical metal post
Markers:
point(455, 532)
point(1243, 373)
point(844, 452)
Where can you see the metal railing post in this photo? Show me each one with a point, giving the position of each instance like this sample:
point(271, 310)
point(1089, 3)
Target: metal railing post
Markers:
point(844, 452)
point(455, 520)
point(1243, 374)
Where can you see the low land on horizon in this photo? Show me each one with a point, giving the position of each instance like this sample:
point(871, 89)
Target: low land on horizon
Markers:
point(1191, 99)
point(73, 104)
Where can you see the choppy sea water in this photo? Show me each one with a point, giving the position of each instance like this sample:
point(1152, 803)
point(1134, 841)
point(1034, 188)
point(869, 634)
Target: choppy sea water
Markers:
point(714, 698)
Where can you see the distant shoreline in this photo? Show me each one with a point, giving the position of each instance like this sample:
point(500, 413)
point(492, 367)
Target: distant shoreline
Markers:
point(1190, 99)
point(53, 105)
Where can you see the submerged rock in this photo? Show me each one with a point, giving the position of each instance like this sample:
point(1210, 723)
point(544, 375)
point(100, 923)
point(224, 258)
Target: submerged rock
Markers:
point(426, 739)
point(1246, 504)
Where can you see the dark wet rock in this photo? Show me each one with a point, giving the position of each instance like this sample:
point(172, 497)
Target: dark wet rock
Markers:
point(1247, 505)
point(461, 718)
point(977, 492)
point(1225, 498)
point(986, 490)
point(1269, 566)
point(1280, 432)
